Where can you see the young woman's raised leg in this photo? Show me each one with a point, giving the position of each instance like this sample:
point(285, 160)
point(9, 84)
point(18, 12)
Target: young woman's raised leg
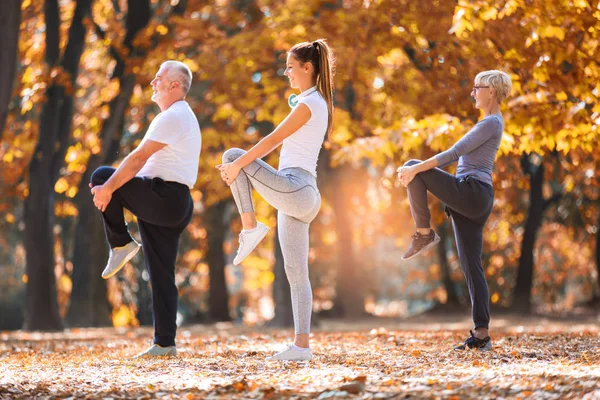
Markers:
point(293, 192)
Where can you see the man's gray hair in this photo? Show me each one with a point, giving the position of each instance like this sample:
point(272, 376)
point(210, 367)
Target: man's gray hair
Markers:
point(179, 72)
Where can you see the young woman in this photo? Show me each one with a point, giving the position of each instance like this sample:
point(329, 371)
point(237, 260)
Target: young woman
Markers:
point(468, 196)
point(292, 189)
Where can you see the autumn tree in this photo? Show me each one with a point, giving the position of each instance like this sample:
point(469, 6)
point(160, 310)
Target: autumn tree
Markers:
point(405, 71)
point(41, 311)
point(538, 204)
point(88, 302)
point(10, 19)
point(540, 119)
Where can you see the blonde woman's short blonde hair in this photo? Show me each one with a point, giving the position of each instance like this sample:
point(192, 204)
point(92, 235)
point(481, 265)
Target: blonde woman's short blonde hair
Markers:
point(498, 80)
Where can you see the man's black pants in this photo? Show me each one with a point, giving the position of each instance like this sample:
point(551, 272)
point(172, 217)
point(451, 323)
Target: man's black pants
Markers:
point(163, 210)
point(470, 203)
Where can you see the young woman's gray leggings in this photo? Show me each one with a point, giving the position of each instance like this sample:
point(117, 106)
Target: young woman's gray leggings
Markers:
point(294, 193)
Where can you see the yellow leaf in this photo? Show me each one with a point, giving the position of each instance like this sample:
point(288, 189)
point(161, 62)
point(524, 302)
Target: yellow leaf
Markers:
point(163, 30)
point(513, 54)
point(552, 32)
point(540, 74)
point(299, 30)
point(72, 192)
point(61, 185)
point(8, 157)
point(580, 3)
point(495, 298)
point(490, 13)
point(125, 316)
point(65, 284)
point(27, 106)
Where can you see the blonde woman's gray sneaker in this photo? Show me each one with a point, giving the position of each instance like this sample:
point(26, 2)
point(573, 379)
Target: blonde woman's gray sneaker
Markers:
point(475, 343)
point(119, 256)
point(158, 351)
point(421, 243)
point(249, 239)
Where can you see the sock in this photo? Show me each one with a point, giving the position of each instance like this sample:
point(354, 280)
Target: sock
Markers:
point(251, 230)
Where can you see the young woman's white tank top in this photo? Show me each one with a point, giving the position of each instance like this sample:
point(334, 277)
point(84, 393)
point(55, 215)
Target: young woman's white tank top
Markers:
point(301, 149)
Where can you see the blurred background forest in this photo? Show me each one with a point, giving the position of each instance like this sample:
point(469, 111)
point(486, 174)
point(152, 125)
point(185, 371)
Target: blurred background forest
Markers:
point(75, 94)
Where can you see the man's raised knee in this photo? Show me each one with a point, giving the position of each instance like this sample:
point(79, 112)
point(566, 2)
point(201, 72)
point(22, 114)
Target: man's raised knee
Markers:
point(101, 175)
point(410, 163)
point(232, 155)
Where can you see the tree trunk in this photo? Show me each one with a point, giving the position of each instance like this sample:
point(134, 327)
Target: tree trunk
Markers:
point(442, 248)
point(89, 305)
point(10, 19)
point(284, 317)
point(597, 297)
point(89, 301)
point(216, 226)
point(41, 306)
point(349, 299)
point(524, 283)
point(144, 299)
point(349, 293)
point(349, 287)
point(537, 206)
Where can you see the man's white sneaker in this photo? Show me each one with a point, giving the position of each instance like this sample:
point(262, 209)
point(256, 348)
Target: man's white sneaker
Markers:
point(119, 256)
point(249, 239)
point(158, 351)
point(292, 353)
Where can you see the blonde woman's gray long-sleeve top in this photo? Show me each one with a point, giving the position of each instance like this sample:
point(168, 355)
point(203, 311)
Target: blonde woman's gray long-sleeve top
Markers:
point(476, 151)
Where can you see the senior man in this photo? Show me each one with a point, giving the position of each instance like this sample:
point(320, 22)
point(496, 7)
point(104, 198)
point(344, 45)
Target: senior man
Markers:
point(154, 183)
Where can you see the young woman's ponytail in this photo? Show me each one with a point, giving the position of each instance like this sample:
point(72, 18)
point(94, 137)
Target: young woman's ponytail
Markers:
point(320, 55)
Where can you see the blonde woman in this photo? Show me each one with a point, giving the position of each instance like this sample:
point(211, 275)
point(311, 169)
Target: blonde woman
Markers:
point(292, 189)
point(469, 196)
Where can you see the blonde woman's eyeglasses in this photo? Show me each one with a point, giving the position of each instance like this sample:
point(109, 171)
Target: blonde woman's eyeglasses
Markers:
point(476, 88)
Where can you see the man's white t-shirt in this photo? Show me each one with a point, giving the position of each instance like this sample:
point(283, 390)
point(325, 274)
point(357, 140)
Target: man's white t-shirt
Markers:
point(301, 149)
point(178, 128)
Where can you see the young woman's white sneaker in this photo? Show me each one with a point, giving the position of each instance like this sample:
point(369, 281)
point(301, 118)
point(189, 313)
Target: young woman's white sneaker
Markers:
point(249, 239)
point(292, 353)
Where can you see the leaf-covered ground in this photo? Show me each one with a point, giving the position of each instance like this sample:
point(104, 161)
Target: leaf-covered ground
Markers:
point(532, 358)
